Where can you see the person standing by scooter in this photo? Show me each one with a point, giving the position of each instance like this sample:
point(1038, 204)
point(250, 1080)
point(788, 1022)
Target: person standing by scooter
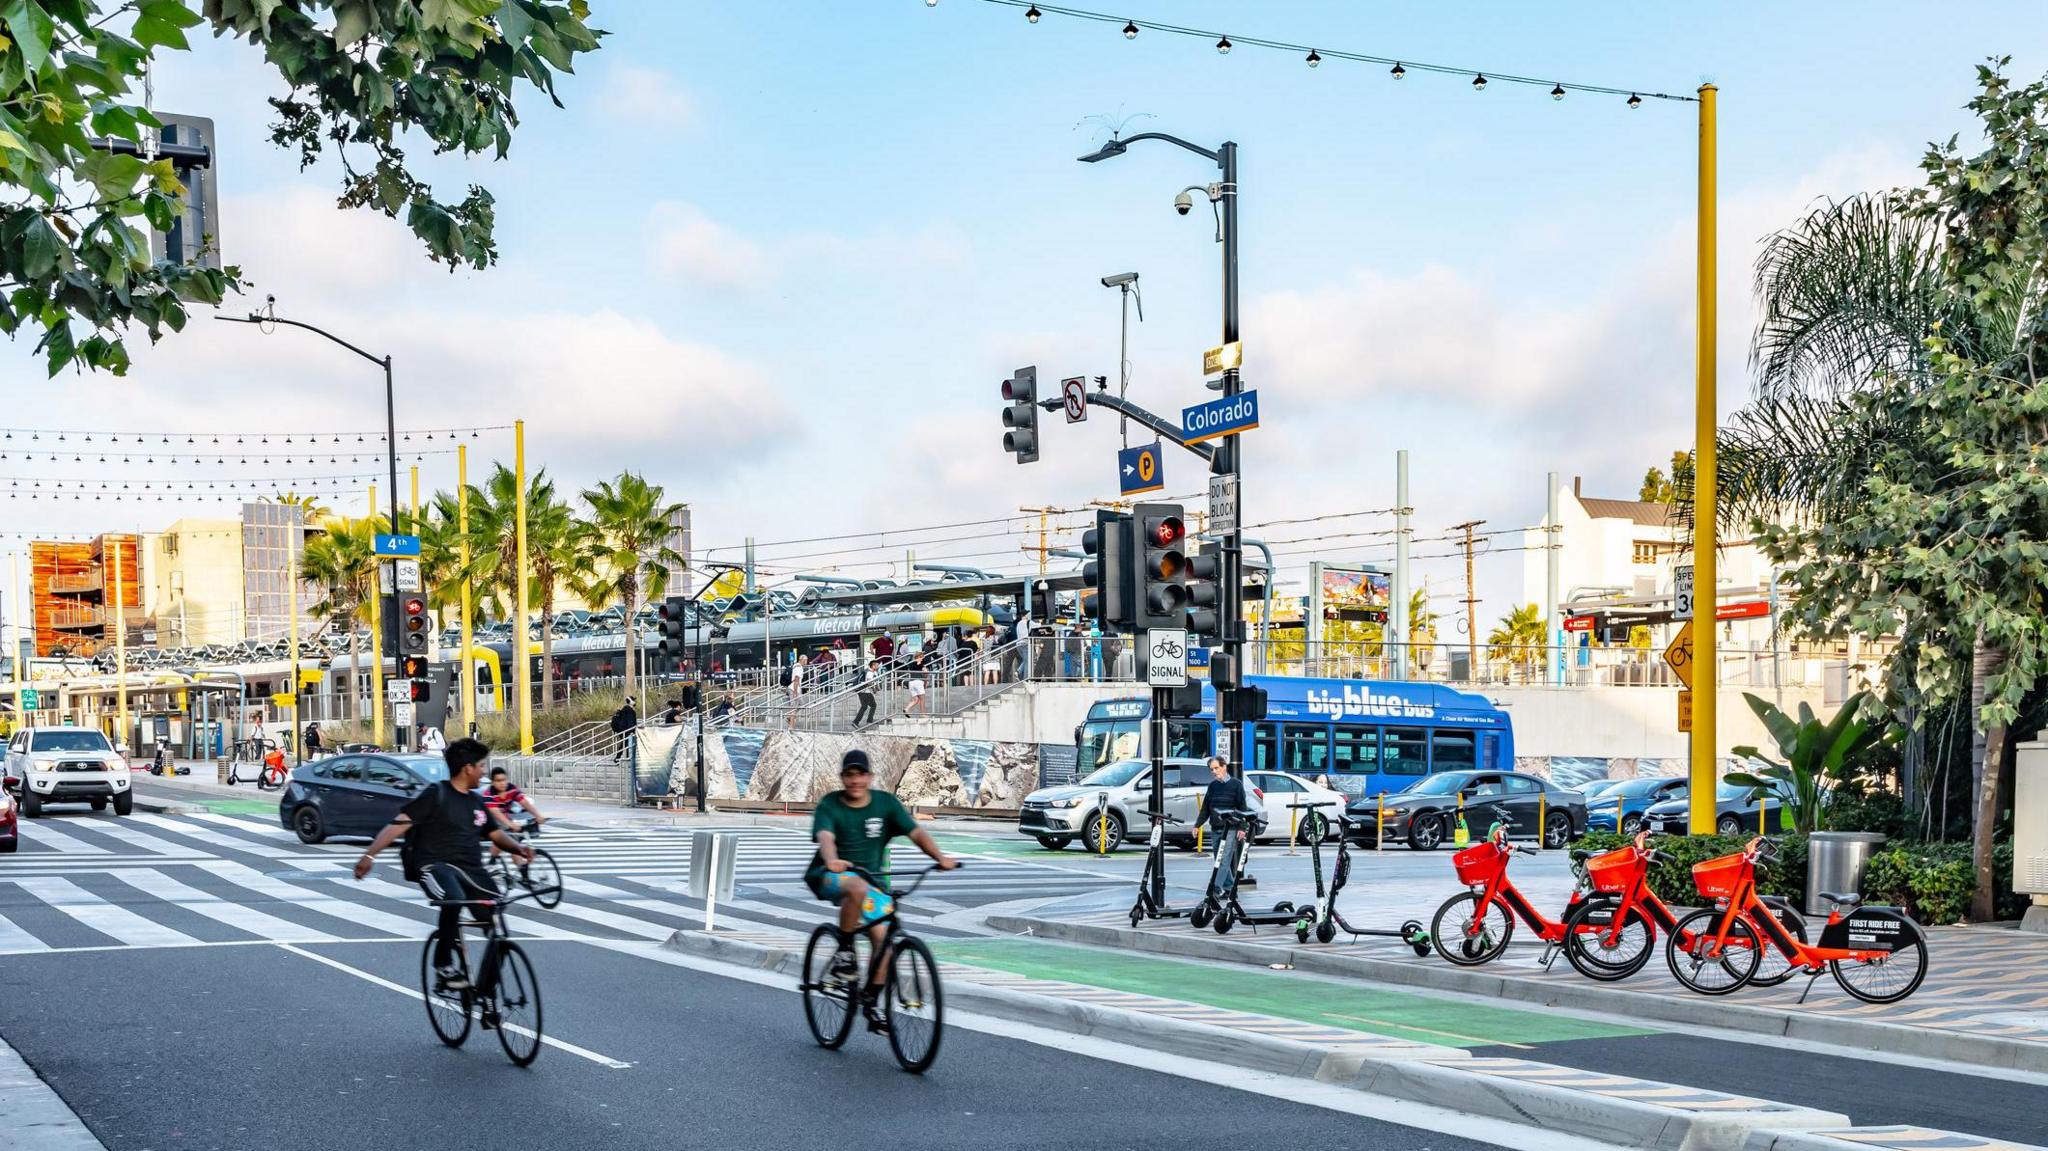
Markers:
point(1223, 802)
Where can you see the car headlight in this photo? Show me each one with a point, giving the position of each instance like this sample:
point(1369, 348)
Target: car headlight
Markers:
point(43, 766)
point(6, 803)
point(1065, 803)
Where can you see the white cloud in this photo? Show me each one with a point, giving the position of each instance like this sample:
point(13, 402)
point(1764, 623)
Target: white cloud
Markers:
point(690, 245)
point(646, 96)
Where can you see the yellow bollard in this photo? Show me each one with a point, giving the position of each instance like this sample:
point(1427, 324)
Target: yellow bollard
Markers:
point(1762, 828)
point(1379, 830)
point(1542, 817)
point(1292, 817)
point(1617, 816)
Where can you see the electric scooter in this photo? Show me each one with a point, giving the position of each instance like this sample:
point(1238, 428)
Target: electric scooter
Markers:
point(1220, 908)
point(1155, 865)
point(1321, 917)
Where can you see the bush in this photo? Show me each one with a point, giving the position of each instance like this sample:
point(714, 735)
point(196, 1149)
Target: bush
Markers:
point(1878, 811)
point(1672, 879)
point(1934, 882)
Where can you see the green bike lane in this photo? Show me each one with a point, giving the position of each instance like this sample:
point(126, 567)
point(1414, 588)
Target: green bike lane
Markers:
point(1875, 1091)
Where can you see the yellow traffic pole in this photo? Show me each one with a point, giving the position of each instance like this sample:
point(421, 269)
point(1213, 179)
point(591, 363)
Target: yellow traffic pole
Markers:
point(1542, 816)
point(1705, 661)
point(1379, 830)
point(466, 680)
point(120, 648)
point(291, 591)
point(20, 605)
point(522, 668)
point(415, 498)
point(377, 640)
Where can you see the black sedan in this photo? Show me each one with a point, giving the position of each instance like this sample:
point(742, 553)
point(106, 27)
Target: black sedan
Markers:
point(1735, 811)
point(354, 794)
point(1426, 814)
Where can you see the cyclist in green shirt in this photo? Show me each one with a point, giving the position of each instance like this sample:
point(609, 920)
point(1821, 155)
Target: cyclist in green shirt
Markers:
point(853, 827)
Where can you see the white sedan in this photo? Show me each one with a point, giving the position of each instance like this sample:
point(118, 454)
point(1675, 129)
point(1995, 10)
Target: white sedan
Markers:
point(1322, 813)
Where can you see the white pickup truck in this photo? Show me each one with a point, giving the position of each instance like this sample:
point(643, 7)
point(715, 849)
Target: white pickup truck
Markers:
point(68, 765)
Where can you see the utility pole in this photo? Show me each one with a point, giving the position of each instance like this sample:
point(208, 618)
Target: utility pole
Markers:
point(1471, 602)
point(1402, 625)
point(1044, 548)
point(1553, 639)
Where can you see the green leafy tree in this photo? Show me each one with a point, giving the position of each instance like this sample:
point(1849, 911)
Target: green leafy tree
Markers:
point(1817, 756)
point(555, 557)
point(1943, 538)
point(1659, 488)
point(626, 550)
point(342, 562)
point(1518, 638)
point(362, 76)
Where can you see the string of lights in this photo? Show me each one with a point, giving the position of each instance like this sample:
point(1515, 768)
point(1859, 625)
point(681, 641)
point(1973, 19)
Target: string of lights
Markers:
point(65, 435)
point(260, 483)
point(151, 458)
point(1313, 55)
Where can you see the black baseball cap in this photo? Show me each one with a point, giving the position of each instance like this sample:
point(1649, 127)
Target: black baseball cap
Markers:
point(855, 760)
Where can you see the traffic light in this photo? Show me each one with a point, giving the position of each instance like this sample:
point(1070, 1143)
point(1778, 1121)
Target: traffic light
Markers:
point(1020, 392)
point(1108, 569)
point(412, 625)
point(672, 612)
point(412, 667)
point(1159, 588)
point(1205, 592)
point(422, 690)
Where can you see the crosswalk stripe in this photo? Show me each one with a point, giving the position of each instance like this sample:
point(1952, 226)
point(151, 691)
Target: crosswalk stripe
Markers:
point(40, 834)
point(218, 839)
point(253, 827)
point(221, 911)
point(522, 924)
point(100, 915)
point(15, 941)
point(156, 845)
point(242, 875)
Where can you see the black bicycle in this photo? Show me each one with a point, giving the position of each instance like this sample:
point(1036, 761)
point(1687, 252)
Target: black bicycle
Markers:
point(913, 1005)
point(541, 877)
point(511, 1007)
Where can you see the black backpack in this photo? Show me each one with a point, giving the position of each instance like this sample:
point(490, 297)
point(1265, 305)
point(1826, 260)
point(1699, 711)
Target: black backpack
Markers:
point(408, 851)
point(788, 674)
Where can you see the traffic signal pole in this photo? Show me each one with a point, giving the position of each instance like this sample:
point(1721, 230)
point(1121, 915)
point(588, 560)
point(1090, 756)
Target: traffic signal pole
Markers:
point(1228, 459)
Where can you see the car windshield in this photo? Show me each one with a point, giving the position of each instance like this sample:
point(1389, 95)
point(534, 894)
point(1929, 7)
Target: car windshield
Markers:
point(1116, 774)
point(1637, 788)
point(1439, 784)
point(70, 741)
point(428, 768)
point(1729, 790)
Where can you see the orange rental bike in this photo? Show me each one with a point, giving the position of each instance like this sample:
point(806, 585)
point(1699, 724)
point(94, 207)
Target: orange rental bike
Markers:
point(1475, 927)
point(1608, 941)
point(1876, 953)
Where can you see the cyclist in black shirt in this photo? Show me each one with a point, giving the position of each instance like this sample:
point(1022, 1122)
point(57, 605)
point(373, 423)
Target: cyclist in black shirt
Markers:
point(445, 826)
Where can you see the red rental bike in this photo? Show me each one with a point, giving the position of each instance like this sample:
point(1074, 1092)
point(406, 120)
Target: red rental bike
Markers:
point(1876, 953)
point(1608, 941)
point(1475, 927)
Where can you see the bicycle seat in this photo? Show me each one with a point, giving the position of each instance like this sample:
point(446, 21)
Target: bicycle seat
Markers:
point(1841, 898)
point(1580, 855)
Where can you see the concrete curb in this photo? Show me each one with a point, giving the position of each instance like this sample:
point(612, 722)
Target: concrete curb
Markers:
point(1837, 1031)
point(1875, 1139)
point(37, 1119)
point(1438, 1081)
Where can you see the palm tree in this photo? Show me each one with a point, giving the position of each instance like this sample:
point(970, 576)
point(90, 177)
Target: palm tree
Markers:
point(554, 555)
point(343, 562)
point(309, 505)
point(626, 549)
point(1518, 638)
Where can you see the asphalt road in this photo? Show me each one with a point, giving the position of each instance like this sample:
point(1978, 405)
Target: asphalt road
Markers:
point(256, 1046)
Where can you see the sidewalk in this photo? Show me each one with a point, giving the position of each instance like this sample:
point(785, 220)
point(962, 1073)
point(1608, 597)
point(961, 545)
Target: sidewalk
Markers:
point(1985, 1000)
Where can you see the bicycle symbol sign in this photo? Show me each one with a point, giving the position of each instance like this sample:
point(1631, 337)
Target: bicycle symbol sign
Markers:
point(1166, 657)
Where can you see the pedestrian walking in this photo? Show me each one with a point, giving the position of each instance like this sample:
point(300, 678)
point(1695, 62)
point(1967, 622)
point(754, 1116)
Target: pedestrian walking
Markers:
point(312, 743)
point(885, 649)
point(919, 666)
point(624, 721)
point(674, 715)
point(865, 693)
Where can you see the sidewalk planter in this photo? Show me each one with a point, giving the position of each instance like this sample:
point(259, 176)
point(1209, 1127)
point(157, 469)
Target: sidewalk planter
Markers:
point(1836, 861)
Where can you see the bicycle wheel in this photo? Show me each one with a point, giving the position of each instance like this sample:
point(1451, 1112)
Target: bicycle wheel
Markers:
point(831, 986)
point(516, 998)
point(1469, 935)
point(1597, 951)
point(915, 1005)
point(1697, 963)
point(1774, 967)
point(447, 1011)
point(1886, 980)
point(542, 878)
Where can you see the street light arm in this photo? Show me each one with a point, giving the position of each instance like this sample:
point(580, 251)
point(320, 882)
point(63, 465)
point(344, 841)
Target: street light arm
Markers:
point(1117, 147)
point(259, 321)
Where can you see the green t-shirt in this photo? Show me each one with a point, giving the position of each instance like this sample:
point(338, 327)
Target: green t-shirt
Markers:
point(860, 835)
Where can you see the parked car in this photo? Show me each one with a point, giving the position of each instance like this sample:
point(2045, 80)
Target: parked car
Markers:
point(10, 823)
point(353, 794)
point(1426, 814)
point(1057, 816)
point(1593, 789)
point(1283, 790)
point(1735, 813)
point(67, 765)
point(1631, 798)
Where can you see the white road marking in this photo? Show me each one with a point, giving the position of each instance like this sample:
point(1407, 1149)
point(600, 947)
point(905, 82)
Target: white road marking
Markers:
point(234, 915)
point(101, 916)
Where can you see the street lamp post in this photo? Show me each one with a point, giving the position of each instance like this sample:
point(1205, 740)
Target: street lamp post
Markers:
point(1226, 461)
point(268, 316)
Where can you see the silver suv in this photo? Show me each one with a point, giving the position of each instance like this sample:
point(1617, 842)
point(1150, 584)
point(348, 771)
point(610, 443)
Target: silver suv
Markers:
point(1057, 816)
point(67, 765)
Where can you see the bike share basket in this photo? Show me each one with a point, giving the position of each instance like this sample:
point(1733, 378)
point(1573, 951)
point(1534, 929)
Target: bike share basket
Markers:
point(1615, 871)
point(1718, 878)
point(1478, 863)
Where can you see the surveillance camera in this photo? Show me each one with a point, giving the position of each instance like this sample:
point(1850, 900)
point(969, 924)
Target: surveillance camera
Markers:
point(1120, 279)
point(1183, 203)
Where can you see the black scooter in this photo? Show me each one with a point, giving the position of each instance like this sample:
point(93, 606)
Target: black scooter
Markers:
point(162, 764)
point(1220, 908)
point(1322, 919)
point(1155, 864)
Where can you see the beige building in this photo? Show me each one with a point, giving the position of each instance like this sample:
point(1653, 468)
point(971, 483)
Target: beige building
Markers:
point(196, 582)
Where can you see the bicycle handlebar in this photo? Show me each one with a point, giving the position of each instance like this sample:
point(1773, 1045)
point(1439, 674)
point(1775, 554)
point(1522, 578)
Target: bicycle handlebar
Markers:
point(919, 876)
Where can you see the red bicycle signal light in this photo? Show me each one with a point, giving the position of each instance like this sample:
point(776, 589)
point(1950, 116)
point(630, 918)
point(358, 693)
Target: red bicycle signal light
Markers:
point(1165, 530)
point(415, 606)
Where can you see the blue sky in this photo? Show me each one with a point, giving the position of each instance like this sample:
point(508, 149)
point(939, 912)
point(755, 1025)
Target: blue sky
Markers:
point(778, 256)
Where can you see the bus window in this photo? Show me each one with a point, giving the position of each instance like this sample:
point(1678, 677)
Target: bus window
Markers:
point(1305, 749)
point(1357, 750)
point(1489, 753)
point(1404, 751)
point(1451, 751)
point(1187, 739)
point(1106, 741)
point(1265, 748)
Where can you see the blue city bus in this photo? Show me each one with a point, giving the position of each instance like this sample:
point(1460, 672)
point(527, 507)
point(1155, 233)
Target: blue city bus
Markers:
point(1367, 736)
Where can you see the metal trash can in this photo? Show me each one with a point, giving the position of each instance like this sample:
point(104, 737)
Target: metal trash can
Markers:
point(1835, 861)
